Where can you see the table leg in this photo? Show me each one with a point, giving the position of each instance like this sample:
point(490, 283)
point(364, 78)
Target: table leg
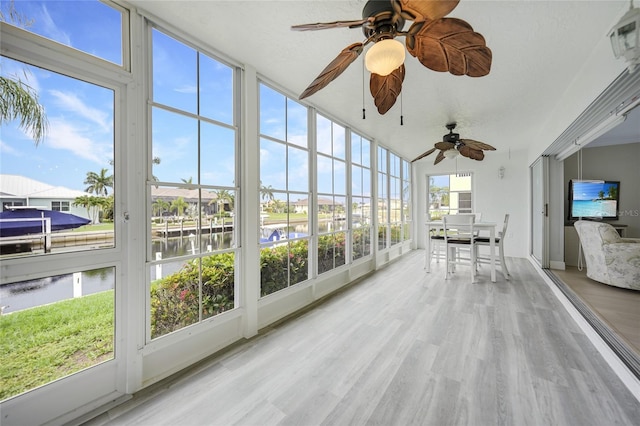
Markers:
point(427, 258)
point(492, 248)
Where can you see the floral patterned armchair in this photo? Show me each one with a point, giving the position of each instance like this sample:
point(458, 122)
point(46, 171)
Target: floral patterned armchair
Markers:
point(610, 259)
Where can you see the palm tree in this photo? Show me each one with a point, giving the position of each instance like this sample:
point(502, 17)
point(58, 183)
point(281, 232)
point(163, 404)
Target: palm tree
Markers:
point(107, 208)
point(159, 206)
point(278, 206)
point(18, 100)
point(226, 196)
point(179, 204)
point(99, 182)
point(92, 204)
point(266, 192)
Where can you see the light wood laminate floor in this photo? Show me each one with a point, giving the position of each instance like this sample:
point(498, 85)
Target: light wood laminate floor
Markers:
point(404, 347)
point(618, 307)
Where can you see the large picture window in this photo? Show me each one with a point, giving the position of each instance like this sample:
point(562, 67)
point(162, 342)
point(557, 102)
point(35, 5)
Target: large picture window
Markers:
point(407, 221)
point(383, 199)
point(361, 197)
point(449, 194)
point(192, 192)
point(394, 199)
point(332, 190)
point(284, 192)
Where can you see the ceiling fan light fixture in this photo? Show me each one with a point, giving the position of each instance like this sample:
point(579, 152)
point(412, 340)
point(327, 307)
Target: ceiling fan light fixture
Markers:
point(625, 37)
point(384, 57)
point(451, 153)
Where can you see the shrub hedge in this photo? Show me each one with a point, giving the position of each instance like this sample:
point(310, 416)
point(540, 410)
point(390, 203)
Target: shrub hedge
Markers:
point(175, 298)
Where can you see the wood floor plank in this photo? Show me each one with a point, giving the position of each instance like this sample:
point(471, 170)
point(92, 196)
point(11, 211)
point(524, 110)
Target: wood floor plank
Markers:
point(404, 347)
point(618, 307)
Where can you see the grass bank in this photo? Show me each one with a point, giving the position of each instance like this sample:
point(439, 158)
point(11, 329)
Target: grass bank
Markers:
point(49, 342)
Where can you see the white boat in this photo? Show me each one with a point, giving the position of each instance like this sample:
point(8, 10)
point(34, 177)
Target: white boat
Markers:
point(277, 232)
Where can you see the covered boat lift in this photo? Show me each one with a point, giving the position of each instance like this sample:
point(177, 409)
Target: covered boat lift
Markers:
point(37, 223)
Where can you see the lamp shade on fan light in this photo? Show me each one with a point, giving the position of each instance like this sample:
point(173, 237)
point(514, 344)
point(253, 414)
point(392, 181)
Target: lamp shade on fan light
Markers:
point(451, 153)
point(384, 57)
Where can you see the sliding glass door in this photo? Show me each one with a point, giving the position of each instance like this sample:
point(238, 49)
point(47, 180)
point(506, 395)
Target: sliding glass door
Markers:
point(539, 249)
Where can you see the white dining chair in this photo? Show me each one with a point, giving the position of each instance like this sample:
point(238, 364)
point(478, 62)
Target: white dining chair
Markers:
point(437, 239)
point(499, 243)
point(437, 244)
point(459, 235)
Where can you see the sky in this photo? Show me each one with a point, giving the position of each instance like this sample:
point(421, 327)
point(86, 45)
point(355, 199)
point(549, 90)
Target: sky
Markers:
point(590, 190)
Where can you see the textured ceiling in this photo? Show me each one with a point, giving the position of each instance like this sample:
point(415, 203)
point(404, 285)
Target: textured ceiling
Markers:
point(539, 47)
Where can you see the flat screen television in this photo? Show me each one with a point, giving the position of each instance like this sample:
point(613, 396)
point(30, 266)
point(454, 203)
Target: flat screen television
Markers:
point(593, 199)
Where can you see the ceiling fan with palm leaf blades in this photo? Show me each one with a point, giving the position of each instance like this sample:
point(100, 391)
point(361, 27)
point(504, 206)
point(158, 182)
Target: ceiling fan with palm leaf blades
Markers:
point(452, 145)
point(439, 43)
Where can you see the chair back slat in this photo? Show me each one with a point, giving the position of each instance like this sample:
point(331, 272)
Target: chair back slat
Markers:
point(502, 233)
point(458, 227)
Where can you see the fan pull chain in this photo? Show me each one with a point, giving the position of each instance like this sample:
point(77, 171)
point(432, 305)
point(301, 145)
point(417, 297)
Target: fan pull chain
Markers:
point(364, 115)
point(401, 116)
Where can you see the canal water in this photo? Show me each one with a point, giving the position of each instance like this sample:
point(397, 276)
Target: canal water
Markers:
point(27, 294)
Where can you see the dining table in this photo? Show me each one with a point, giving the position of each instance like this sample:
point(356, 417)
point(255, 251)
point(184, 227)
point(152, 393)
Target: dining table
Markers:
point(477, 226)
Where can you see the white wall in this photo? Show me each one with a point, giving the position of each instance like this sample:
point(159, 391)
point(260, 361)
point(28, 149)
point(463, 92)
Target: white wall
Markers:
point(46, 203)
point(590, 81)
point(492, 196)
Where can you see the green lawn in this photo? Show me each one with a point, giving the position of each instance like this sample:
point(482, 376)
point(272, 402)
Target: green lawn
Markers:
point(282, 217)
point(293, 217)
point(49, 342)
point(99, 227)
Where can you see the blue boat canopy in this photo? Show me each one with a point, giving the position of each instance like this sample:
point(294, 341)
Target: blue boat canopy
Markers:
point(24, 221)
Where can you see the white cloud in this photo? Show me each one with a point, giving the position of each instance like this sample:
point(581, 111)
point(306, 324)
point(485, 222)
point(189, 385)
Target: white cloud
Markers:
point(186, 89)
point(176, 149)
point(6, 149)
point(64, 136)
point(50, 28)
point(72, 103)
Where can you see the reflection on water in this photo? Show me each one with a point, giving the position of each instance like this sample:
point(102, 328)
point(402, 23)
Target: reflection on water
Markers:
point(28, 294)
point(172, 247)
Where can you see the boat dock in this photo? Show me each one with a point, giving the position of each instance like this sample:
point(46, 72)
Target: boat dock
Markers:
point(181, 231)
